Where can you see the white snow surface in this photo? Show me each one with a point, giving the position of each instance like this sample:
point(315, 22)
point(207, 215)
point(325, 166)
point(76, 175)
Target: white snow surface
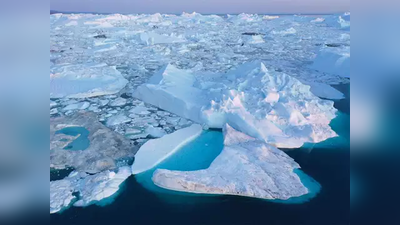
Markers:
point(264, 104)
point(85, 80)
point(91, 188)
point(246, 167)
point(156, 150)
point(325, 91)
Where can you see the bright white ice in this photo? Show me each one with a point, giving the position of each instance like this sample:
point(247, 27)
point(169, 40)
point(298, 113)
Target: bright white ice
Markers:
point(246, 167)
point(261, 74)
point(264, 104)
point(91, 188)
point(82, 81)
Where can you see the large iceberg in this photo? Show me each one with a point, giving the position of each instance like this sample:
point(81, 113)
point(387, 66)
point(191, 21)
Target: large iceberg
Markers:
point(91, 188)
point(85, 80)
point(245, 167)
point(264, 104)
point(155, 151)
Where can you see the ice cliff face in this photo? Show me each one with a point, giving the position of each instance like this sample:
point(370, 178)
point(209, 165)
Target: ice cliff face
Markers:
point(267, 105)
point(246, 167)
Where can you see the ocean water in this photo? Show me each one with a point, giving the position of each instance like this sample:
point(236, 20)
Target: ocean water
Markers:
point(141, 202)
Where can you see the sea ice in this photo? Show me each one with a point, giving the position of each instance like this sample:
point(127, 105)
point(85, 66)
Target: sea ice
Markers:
point(156, 150)
point(118, 119)
point(246, 167)
point(325, 91)
point(85, 80)
point(333, 61)
point(118, 102)
point(152, 38)
point(91, 188)
point(77, 106)
point(155, 132)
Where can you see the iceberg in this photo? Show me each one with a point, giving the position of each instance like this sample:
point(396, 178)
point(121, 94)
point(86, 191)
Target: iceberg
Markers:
point(91, 188)
point(253, 39)
point(245, 167)
point(339, 21)
point(334, 61)
point(85, 80)
point(267, 105)
point(155, 151)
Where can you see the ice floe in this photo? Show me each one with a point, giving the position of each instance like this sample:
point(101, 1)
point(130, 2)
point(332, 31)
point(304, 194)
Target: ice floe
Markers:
point(82, 189)
point(81, 81)
point(246, 167)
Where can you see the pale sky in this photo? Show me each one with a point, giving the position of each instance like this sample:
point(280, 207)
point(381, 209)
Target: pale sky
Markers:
point(201, 6)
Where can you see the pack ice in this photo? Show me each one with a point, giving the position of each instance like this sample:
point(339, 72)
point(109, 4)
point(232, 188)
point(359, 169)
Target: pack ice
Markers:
point(264, 104)
point(91, 188)
point(245, 167)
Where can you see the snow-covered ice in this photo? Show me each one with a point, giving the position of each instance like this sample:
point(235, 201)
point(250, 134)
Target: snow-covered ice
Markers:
point(81, 81)
point(325, 91)
point(246, 167)
point(118, 119)
point(89, 189)
point(152, 38)
point(264, 104)
point(118, 102)
point(155, 151)
point(334, 61)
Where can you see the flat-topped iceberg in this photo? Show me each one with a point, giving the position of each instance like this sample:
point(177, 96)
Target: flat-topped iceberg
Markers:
point(85, 80)
point(155, 151)
point(82, 189)
point(245, 167)
point(268, 105)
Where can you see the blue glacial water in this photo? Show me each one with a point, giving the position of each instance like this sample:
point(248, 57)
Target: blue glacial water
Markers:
point(195, 155)
point(81, 143)
point(140, 203)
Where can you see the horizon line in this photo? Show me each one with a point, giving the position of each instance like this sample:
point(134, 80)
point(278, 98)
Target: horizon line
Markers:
point(176, 13)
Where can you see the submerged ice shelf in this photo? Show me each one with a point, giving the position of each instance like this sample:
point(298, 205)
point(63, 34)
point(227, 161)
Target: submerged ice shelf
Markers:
point(246, 167)
point(155, 151)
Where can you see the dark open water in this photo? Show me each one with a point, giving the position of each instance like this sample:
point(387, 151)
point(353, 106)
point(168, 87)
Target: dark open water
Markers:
point(328, 163)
